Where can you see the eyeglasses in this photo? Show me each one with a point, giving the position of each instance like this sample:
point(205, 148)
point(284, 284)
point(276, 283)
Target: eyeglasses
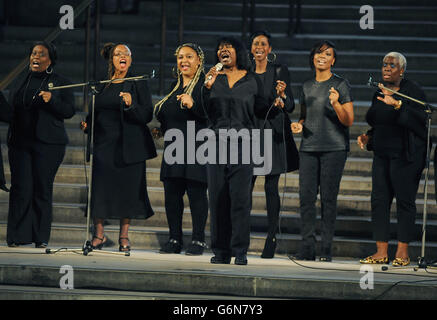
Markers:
point(122, 53)
point(392, 65)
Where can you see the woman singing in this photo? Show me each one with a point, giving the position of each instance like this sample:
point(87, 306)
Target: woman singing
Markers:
point(232, 97)
point(177, 110)
point(275, 78)
point(36, 141)
point(398, 140)
point(326, 115)
point(122, 144)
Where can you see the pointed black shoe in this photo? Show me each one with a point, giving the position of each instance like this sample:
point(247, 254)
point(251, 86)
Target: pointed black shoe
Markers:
point(241, 260)
point(220, 260)
point(303, 255)
point(269, 248)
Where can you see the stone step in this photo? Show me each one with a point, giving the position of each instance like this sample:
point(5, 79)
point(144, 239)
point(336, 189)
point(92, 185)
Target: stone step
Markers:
point(348, 204)
point(152, 238)
point(293, 58)
point(345, 226)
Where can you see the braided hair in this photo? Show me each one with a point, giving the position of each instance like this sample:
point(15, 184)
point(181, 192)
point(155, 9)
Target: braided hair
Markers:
point(190, 87)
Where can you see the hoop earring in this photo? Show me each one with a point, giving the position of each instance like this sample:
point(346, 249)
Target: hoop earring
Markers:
point(51, 70)
point(175, 72)
point(274, 57)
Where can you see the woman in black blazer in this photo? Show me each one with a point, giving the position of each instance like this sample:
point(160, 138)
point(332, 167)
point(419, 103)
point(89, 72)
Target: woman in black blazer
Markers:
point(122, 144)
point(36, 141)
point(285, 157)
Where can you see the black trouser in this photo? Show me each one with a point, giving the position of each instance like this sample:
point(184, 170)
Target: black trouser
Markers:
point(319, 170)
point(174, 189)
point(395, 177)
point(33, 171)
point(273, 202)
point(229, 189)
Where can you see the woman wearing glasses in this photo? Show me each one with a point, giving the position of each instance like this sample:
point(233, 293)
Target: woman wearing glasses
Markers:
point(398, 140)
point(122, 144)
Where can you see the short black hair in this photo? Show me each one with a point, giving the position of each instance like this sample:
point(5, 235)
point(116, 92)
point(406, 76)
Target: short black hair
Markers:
point(51, 48)
point(242, 56)
point(264, 33)
point(317, 48)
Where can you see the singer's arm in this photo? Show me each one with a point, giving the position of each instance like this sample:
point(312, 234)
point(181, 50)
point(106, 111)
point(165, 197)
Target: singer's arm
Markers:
point(61, 103)
point(141, 109)
point(341, 101)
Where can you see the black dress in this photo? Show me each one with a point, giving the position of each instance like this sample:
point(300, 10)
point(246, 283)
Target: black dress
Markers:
point(119, 188)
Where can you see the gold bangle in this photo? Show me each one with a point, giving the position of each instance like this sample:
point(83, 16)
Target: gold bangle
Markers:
point(399, 104)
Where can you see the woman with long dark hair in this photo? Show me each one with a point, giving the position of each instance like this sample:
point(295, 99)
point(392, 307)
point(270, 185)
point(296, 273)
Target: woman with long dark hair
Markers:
point(122, 144)
point(37, 140)
point(178, 110)
point(326, 115)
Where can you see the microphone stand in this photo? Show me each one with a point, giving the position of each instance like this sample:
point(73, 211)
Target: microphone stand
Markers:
point(87, 247)
point(422, 263)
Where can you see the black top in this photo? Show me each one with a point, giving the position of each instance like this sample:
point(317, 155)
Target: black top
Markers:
point(28, 110)
point(235, 108)
point(322, 130)
point(396, 132)
point(27, 103)
point(136, 142)
point(285, 158)
point(172, 116)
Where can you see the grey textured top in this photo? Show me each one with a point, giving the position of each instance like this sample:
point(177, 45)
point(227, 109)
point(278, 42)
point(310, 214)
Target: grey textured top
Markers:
point(322, 130)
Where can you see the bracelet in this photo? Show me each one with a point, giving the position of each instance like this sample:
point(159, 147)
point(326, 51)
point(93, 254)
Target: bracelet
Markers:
point(398, 106)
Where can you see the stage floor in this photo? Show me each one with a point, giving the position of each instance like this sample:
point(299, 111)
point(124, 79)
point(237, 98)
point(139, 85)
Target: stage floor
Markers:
point(147, 274)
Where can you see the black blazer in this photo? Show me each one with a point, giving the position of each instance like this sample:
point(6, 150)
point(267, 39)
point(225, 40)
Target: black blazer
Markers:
point(50, 127)
point(137, 143)
point(279, 121)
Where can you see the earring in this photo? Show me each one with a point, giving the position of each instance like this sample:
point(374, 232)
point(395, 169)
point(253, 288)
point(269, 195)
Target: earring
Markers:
point(274, 57)
point(49, 71)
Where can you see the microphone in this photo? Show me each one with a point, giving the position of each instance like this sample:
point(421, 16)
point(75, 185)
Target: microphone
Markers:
point(371, 83)
point(217, 67)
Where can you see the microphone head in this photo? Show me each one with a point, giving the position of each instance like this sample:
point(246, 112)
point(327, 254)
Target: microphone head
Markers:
point(219, 66)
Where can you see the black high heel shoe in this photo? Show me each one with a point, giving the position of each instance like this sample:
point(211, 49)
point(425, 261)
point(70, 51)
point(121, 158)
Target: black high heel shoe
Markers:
point(269, 248)
point(100, 245)
point(123, 248)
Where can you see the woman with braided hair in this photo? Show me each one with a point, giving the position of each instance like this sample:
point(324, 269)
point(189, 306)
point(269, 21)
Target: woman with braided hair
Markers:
point(180, 109)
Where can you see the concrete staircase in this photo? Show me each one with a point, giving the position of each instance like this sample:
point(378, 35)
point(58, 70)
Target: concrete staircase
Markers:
point(399, 26)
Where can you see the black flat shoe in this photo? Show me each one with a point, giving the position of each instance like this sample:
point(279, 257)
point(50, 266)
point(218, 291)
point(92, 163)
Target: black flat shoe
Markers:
point(220, 260)
point(196, 248)
point(41, 245)
point(172, 246)
point(301, 256)
point(241, 260)
point(123, 248)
